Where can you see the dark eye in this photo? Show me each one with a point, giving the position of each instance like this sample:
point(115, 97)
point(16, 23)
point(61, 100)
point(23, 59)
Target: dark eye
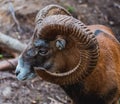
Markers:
point(43, 51)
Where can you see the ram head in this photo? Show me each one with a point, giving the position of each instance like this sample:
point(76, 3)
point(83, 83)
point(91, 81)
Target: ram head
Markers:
point(62, 49)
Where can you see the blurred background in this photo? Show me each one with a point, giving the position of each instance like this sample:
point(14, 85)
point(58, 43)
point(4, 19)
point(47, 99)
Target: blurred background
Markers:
point(17, 22)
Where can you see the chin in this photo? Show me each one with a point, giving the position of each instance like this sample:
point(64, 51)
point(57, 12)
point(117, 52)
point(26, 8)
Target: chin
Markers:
point(23, 77)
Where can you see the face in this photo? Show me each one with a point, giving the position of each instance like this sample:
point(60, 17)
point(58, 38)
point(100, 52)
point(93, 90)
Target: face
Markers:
point(39, 53)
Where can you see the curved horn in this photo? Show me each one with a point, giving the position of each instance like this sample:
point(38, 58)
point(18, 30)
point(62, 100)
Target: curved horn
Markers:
point(50, 10)
point(69, 26)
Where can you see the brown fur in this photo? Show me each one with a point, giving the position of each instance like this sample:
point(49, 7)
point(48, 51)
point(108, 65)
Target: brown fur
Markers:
point(107, 72)
point(102, 86)
point(106, 75)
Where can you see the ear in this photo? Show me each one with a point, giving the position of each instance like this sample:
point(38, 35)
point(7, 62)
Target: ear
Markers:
point(60, 43)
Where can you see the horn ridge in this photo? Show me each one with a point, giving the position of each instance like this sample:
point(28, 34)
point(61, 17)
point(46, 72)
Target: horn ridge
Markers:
point(46, 12)
point(89, 50)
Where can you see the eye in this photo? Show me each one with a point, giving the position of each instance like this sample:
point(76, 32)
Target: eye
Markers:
point(43, 51)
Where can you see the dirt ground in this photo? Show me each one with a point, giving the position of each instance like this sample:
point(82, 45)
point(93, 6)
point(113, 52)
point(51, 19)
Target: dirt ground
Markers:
point(37, 91)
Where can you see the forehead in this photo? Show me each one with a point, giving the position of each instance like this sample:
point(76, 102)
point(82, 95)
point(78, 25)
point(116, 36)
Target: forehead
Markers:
point(40, 43)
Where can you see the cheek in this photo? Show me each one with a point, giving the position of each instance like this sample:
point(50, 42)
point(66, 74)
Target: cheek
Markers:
point(60, 64)
point(41, 61)
point(48, 64)
point(54, 64)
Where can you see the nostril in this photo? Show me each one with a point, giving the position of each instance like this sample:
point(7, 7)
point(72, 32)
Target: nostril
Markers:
point(17, 72)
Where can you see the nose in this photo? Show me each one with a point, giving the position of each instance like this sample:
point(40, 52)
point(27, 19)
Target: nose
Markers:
point(17, 72)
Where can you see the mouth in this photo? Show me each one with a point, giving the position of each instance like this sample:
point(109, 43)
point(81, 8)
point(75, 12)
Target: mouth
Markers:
point(21, 78)
point(27, 76)
point(24, 73)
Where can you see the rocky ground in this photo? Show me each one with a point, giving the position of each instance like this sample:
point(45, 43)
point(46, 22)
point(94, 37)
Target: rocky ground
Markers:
point(37, 91)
